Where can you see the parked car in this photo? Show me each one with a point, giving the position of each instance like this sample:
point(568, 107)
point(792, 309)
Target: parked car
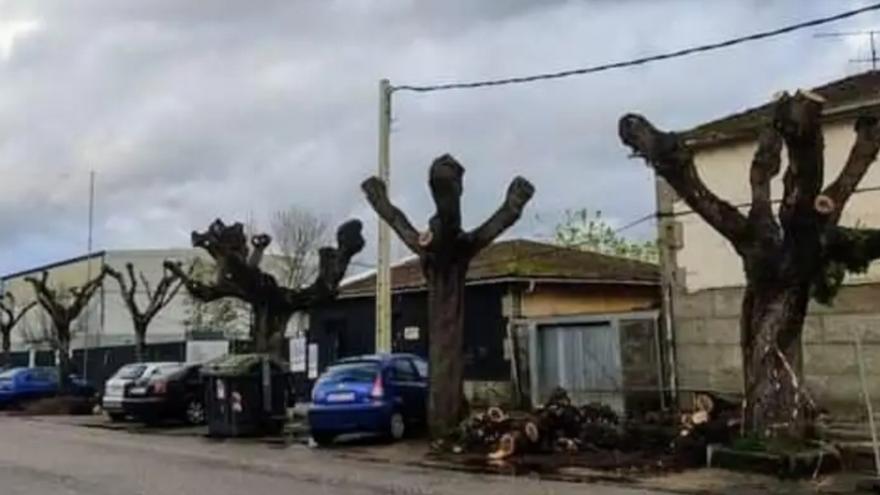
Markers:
point(115, 388)
point(168, 394)
point(22, 384)
point(381, 393)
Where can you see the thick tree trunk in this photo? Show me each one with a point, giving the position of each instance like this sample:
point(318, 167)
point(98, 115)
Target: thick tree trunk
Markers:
point(268, 327)
point(446, 345)
point(64, 364)
point(772, 321)
point(140, 342)
point(7, 345)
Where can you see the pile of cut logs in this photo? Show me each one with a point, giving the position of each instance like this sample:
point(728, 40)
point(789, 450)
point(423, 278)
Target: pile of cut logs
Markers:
point(560, 426)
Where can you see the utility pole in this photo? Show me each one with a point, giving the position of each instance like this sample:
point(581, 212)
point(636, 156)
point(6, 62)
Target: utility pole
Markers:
point(872, 37)
point(383, 270)
point(88, 311)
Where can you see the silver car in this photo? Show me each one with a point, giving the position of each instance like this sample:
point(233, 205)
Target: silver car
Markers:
point(115, 388)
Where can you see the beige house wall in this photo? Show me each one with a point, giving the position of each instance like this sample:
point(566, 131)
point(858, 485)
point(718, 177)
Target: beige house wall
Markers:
point(706, 257)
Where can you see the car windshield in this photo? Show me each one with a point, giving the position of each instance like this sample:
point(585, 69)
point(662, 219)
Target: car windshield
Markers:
point(358, 371)
point(130, 371)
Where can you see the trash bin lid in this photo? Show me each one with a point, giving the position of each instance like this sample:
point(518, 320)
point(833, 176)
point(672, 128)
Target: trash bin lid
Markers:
point(242, 364)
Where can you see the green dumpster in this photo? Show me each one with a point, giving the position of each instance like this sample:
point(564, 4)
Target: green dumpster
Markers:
point(246, 395)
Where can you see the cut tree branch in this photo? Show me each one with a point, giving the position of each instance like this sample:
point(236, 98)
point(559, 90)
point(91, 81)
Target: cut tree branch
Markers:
point(861, 156)
point(84, 294)
point(445, 179)
point(332, 266)
point(259, 243)
point(127, 291)
point(674, 161)
point(204, 292)
point(765, 166)
point(8, 309)
point(45, 295)
point(377, 195)
point(797, 118)
point(519, 193)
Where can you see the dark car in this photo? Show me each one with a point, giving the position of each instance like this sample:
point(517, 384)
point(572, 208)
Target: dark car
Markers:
point(175, 394)
point(380, 393)
point(21, 384)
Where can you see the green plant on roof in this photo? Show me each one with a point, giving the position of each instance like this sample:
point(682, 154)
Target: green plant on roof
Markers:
point(588, 230)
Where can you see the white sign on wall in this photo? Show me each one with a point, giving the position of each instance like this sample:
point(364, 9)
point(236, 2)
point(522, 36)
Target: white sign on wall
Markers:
point(200, 351)
point(313, 361)
point(411, 333)
point(298, 354)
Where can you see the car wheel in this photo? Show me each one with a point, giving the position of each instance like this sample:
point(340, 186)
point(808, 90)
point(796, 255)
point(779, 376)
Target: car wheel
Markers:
point(396, 426)
point(116, 417)
point(195, 412)
point(323, 438)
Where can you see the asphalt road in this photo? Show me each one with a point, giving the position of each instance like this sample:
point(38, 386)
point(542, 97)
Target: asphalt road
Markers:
point(41, 458)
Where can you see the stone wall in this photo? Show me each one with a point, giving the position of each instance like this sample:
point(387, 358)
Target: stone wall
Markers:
point(708, 351)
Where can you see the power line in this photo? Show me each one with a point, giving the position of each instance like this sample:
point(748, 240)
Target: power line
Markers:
point(638, 221)
point(637, 61)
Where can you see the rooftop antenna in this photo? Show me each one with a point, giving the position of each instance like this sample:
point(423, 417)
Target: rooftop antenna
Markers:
point(872, 37)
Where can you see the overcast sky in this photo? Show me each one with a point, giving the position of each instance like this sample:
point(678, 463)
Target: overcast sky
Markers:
point(188, 110)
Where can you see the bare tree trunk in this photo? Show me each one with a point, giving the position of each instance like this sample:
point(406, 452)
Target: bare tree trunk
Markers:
point(446, 345)
point(268, 328)
point(64, 365)
point(771, 324)
point(7, 345)
point(140, 342)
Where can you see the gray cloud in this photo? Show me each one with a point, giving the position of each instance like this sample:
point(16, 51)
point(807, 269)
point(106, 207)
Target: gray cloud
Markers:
point(192, 110)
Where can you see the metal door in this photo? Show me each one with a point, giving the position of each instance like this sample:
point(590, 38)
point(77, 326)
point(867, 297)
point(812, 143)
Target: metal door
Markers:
point(582, 358)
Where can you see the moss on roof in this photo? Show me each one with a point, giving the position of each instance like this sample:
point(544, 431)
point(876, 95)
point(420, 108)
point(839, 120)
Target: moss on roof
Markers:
point(526, 260)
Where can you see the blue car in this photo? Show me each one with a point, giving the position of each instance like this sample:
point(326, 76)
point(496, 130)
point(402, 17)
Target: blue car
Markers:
point(381, 393)
point(21, 384)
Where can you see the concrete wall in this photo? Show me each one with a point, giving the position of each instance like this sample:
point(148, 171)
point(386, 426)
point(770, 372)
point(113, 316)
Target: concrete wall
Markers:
point(708, 279)
point(708, 345)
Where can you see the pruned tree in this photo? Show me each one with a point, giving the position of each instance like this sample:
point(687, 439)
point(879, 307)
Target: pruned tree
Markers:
point(298, 233)
point(788, 256)
point(239, 276)
point(8, 321)
point(156, 298)
point(63, 307)
point(445, 251)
